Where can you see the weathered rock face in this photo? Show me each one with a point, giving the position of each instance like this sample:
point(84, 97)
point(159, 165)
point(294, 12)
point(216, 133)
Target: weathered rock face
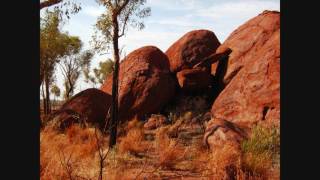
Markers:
point(219, 132)
point(194, 79)
point(155, 121)
point(191, 48)
point(252, 79)
point(145, 83)
point(88, 106)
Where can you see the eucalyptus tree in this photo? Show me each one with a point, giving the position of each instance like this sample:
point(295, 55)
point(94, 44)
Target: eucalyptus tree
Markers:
point(111, 26)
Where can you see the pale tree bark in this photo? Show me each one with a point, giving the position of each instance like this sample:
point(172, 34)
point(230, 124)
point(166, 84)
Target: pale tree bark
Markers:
point(43, 99)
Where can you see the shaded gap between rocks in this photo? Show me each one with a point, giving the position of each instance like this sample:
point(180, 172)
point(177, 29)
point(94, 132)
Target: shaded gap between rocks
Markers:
point(218, 84)
point(264, 112)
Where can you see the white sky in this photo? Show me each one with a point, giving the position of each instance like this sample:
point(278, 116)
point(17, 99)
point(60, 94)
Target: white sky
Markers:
point(169, 20)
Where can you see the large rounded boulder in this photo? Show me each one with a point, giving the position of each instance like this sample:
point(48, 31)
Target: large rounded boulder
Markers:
point(145, 83)
point(87, 107)
point(191, 48)
point(252, 77)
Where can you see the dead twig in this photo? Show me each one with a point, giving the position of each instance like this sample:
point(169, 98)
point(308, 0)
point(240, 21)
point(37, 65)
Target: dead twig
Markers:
point(102, 156)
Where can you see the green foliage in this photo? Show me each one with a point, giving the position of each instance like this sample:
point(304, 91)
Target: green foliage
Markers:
point(262, 150)
point(105, 69)
point(57, 47)
point(53, 43)
point(100, 74)
point(55, 90)
point(71, 66)
point(127, 12)
point(262, 140)
point(66, 7)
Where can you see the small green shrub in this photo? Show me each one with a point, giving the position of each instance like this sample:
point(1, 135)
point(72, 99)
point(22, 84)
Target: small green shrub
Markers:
point(262, 150)
point(263, 140)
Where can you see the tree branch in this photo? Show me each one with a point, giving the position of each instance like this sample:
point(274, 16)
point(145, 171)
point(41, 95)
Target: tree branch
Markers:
point(64, 71)
point(48, 3)
point(124, 25)
point(122, 6)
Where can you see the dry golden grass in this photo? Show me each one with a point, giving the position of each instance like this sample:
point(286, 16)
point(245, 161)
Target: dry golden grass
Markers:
point(74, 154)
point(179, 123)
point(196, 158)
point(70, 155)
point(258, 157)
point(133, 142)
point(224, 161)
point(169, 151)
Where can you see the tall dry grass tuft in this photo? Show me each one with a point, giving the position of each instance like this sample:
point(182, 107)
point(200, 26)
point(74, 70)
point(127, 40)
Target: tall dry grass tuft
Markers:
point(133, 142)
point(169, 151)
point(68, 156)
point(196, 158)
point(225, 161)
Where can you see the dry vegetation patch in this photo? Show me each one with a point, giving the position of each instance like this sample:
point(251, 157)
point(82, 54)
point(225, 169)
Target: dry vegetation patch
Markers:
point(68, 156)
point(75, 154)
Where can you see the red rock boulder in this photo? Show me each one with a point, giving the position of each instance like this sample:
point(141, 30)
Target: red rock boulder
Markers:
point(145, 83)
point(194, 79)
point(155, 121)
point(219, 132)
point(191, 49)
point(252, 78)
point(198, 78)
point(89, 106)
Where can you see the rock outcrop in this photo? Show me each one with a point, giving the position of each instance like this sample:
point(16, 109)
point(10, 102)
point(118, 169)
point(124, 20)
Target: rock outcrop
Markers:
point(219, 132)
point(251, 81)
point(198, 78)
point(191, 49)
point(145, 83)
point(252, 78)
point(89, 106)
point(194, 79)
point(155, 121)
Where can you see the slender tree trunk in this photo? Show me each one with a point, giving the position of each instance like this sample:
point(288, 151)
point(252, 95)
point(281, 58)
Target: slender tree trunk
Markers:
point(70, 90)
point(114, 105)
point(47, 95)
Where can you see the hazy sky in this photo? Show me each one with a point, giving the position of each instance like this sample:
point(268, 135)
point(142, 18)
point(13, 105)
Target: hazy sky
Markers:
point(169, 20)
